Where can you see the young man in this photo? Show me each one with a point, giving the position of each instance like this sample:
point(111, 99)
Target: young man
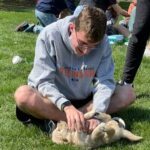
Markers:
point(72, 73)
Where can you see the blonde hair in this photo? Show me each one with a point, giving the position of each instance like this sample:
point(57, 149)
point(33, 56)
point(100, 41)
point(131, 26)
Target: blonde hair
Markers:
point(92, 21)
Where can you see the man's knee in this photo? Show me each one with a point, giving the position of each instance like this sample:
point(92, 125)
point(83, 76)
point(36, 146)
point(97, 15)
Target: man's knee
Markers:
point(21, 95)
point(127, 100)
point(125, 95)
point(121, 99)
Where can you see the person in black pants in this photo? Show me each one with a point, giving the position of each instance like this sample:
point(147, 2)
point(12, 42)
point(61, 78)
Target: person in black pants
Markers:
point(135, 52)
point(137, 43)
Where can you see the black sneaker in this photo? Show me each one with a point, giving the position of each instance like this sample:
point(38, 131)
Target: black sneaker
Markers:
point(23, 117)
point(22, 27)
point(46, 126)
point(29, 28)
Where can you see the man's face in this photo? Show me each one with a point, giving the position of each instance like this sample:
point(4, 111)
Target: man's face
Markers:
point(80, 43)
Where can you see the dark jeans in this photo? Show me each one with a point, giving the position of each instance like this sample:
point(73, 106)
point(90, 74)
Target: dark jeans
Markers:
point(137, 43)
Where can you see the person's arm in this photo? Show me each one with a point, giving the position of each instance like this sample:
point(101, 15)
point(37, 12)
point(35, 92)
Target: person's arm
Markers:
point(119, 10)
point(138, 41)
point(104, 84)
point(43, 73)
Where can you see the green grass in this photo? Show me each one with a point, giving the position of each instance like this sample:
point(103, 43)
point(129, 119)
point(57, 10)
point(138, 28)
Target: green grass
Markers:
point(124, 4)
point(13, 135)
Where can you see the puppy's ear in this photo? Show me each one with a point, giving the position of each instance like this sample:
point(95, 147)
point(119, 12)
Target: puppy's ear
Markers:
point(130, 136)
point(110, 132)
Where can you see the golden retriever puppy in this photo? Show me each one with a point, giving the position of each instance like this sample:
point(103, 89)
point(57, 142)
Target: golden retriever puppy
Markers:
point(108, 131)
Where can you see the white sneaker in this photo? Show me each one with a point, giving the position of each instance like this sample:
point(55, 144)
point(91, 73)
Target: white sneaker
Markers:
point(147, 52)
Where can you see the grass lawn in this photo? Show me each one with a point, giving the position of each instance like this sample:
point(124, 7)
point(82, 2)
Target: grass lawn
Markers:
point(13, 135)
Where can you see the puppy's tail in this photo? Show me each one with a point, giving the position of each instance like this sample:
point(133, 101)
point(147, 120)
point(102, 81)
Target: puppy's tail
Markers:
point(130, 136)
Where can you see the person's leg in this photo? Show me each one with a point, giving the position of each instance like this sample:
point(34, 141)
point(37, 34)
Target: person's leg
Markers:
point(123, 96)
point(122, 30)
point(31, 102)
point(131, 20)
point(45, 18)
point(21, 27)
point(137, 41)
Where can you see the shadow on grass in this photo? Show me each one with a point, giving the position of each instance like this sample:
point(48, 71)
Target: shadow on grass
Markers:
point(121, 144)
point(143, 95)
point(124, 4)
point(134, 115)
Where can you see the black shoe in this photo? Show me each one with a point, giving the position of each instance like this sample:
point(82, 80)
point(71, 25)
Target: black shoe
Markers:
point(22, 27)
point(29, 28)
point(23, 117)
point(46, 126)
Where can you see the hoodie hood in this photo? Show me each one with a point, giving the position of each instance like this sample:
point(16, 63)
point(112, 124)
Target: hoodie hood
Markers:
point(63, 27)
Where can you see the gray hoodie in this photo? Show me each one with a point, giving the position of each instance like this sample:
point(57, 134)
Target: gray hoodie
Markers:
point(60, 75)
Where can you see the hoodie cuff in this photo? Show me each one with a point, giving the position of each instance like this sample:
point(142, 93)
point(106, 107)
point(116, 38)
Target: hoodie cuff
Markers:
point(60, 102)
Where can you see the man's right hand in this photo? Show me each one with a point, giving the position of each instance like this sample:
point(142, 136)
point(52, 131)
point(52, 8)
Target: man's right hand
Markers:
point(75, 118)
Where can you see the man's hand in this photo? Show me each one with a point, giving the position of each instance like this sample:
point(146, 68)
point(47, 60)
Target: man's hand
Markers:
point(75, 118)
